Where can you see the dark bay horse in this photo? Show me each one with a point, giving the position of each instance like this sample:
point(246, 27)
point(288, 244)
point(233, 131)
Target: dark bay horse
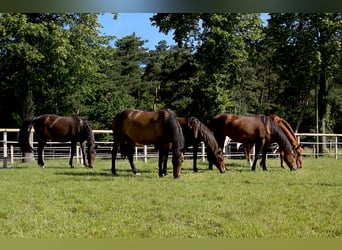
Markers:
point(194, 132)
point(288, 131)
point(159, 128)
point(61, 129)
point(259, 130)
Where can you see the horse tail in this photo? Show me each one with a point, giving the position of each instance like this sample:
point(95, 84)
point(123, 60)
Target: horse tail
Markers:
point(24, 135)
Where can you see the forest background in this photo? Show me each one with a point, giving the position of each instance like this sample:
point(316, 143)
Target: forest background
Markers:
point(227, 62)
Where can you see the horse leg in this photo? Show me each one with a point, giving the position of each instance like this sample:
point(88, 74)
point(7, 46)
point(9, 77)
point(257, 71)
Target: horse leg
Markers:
point(195, 150)
point(162, 159)
point(165, 157)
point(114, 153)
point(162, 164)
point(247, 149)
point(263, 159)
point(258, 148)
point(131, 161)
point(83, 154)
point(72, 153)
point(41, 146)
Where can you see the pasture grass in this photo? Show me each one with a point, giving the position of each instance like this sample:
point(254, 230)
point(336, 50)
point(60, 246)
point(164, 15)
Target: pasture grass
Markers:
point(59, 202)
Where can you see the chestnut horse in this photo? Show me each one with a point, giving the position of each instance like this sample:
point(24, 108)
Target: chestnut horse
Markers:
point(159, 128)
point(259, 130)
point(288, 131)
point(194, 132)
point(61, 129)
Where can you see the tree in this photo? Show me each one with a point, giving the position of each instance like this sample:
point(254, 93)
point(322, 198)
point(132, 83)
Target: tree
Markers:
point(171, 70)
point(219, 43)
point(308, 48)
point(48, 61)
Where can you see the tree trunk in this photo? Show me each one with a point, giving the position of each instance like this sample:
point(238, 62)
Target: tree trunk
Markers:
point(322, 108)
point(28, 115)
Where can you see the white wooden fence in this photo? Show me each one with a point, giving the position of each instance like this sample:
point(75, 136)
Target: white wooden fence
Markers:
point(10, 151)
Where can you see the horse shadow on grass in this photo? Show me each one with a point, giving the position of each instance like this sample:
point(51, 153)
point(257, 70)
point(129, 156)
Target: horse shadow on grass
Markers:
point(107, 173)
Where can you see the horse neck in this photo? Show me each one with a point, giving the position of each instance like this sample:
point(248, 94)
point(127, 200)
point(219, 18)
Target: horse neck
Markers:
point(288, 131)
point(280, 137)
point(207, 136)
point(87, 133)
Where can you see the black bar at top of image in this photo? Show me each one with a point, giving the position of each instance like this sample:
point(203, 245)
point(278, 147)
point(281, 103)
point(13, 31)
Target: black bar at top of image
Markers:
point(116, 6)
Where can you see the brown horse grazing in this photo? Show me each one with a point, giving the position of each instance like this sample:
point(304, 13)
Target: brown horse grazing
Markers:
point(61, 129)
point(159, 128)
point(288, 131)
point(195, 132)
point(259, 130)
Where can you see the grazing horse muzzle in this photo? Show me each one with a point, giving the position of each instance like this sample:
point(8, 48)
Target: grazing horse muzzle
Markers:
point(177, 161)
point(222, 168)
point(91, 157)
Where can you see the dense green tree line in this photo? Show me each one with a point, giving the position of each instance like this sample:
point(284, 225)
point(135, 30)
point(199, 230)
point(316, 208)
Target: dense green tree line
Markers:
point(60, 63)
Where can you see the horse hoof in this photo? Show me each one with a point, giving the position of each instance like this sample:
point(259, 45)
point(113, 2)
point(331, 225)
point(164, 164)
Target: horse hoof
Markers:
point(137, 174)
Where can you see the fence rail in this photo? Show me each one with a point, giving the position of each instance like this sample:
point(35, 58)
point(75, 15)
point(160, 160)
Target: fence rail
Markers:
point(10, 151)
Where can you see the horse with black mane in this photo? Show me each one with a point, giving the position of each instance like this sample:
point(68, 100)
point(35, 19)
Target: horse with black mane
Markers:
point(288, 131)
point(194, 132)
point(259, 130)
point(60, 129)
point(159, 128)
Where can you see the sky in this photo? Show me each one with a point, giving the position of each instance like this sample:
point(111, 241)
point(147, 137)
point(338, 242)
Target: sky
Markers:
point(138, 23)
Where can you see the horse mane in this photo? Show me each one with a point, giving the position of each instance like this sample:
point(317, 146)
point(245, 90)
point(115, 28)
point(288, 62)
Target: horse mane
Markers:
point(205, 134)
point(290, 131)
point(174, 128)
point(277, 133)
point(86, 131)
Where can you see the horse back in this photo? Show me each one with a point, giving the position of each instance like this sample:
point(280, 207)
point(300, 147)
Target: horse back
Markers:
point(141, 127)
point(57, 128)
point(242, 128)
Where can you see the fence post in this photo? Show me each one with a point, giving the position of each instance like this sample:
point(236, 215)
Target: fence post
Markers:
point(136, 153)
point(5, 150)
point(145, 153)
point(81, 155)
point(77, 154)
point(203, 151)
point(12, 154)
point(336, 148)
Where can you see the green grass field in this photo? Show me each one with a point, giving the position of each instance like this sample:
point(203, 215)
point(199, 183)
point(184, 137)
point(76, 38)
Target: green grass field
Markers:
point(59, 202)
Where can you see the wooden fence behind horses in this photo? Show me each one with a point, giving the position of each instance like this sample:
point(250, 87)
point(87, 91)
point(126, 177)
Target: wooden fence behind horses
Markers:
point(10, 151)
